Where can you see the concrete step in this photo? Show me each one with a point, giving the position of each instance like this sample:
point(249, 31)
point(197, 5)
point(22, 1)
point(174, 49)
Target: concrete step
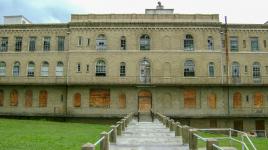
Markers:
point(149, 147)
point(135, 141)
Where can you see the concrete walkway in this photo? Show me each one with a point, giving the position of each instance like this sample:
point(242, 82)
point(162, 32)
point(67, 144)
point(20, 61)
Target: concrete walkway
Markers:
point(148, 136)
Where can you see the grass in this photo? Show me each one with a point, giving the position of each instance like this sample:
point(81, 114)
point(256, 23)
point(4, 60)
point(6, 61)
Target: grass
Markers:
point(260, 143)
point(47, 135)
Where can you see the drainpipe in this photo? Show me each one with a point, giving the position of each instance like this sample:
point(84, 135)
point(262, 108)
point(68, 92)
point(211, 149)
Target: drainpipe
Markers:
point(67, 72)
point(227, 63)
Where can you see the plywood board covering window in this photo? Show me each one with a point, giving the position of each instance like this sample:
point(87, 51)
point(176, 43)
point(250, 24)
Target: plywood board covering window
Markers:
point(258, 100)
point(212, 100)
point(1, 97)
point(189, 99)
point(28, 98)
point(237, 100)
point(122, 101)
point(77, 100)
point(43, 98)
point(99, 98)
point(14, 98)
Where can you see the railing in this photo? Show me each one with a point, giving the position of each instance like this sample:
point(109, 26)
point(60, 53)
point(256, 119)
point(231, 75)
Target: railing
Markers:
point(111, 135)
point(191, 135)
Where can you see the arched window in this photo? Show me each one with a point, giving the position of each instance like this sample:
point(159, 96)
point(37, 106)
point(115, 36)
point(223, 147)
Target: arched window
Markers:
point(235, 70)
point(258, 100)
point(1, 98)
point(14, 98)
point(77, 100)
point(28, 98)
point(210, 43)
point(122, 101)
point(256, 70)
point(122, 69)
point(189, 68)
point(189, 99)
point(123, 43)
point(145, 71)
point(31, 67)
point(145, 42)
point(100, 68)
point(43, 98)
point(101, 42)
point(44, 69)
point(2, 68)
point(237, 102)
point(211, 71)
point(212, 101)
point(16, 69)
point(189, 43)
point(59, 69)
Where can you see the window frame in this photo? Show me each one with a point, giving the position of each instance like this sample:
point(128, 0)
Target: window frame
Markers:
point(100, 68)
point(188, 43)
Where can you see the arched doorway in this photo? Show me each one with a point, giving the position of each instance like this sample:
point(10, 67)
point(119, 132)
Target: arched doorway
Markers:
point(144, 101)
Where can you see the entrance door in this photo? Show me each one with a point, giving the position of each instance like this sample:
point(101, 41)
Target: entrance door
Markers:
point(144, 101)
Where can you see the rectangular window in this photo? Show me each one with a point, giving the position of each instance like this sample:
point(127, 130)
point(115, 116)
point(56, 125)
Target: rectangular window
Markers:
point(4, 44)
point(78, 67)
point(80, 41)
point(87, 68)
point(234, 44)
point(18, 44)
point(211, 70)
point(61, 43)
point(224, 69)
point(264, 44)
point(246, 69)
point(88, 42)
point(122, 71)
point(46, 44)
point(123, 44)
point(254, 44)
point(210, 44)
point(244, 44)
point(223, 44)
point(32, 43)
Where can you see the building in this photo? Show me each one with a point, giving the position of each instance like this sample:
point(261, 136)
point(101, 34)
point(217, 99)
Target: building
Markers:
point(188, 66)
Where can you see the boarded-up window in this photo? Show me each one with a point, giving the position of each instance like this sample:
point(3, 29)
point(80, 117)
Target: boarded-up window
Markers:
point(237, 100)
point(122, 101)
point(258, 100)
point(28, 98)
point(212, 100)
point(43, 98)
point(1, 98)
point(77, 100)
point(14, 98)
point(189, 99)
point(99, 98)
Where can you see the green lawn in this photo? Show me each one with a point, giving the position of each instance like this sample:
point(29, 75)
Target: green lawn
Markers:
point(260, 143)
point(46, 135)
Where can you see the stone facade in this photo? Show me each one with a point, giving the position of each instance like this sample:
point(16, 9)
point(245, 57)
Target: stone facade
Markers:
point(175, 64)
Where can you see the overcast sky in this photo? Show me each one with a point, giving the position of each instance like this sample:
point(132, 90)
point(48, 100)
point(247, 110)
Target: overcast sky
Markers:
point(55, 11)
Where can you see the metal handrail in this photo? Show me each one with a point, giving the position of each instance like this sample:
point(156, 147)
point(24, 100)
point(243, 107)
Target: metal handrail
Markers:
point(96, 143)
point(216, 146)
point(244, 134)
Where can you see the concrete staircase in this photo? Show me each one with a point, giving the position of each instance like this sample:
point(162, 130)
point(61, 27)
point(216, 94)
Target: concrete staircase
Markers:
point(145, 117)
point(148, 136)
